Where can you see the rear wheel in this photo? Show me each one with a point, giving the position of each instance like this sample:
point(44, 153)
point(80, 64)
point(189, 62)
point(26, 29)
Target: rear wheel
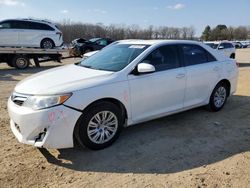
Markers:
point(20, 62)
point(47, 44)
point(100, 126)
point(218, 97)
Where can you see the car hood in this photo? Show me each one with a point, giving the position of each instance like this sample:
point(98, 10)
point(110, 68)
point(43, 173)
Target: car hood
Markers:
point(63, 79)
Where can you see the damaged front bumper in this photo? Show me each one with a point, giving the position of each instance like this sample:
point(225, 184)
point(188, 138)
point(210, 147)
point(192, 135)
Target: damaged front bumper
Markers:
point(49, 128)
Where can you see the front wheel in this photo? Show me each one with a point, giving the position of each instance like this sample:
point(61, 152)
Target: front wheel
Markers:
point(100, 126)
point(218, 97)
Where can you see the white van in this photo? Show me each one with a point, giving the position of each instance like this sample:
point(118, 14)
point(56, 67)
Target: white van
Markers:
point(29, 33)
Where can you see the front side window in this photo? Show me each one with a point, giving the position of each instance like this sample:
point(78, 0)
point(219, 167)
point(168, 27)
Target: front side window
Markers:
point(164, 58)
point(194, 54)
point(114, 57)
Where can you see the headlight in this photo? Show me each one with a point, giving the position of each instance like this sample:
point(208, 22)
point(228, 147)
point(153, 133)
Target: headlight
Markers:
point(41, 102)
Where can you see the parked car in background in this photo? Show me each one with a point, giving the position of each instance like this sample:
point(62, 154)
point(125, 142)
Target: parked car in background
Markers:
point(30, 33)
point(226, 47)
point(237, 45)
point(78, 41)
point(126, 83)
point(244, 44)
point(88, 54)
point(81, 47)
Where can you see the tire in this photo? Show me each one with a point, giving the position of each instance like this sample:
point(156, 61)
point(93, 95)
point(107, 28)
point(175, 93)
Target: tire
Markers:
point(218, 97)
point(47, 44)
point(20, 62)
point(93, 129)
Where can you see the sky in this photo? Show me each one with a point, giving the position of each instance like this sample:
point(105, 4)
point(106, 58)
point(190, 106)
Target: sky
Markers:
point(172, 13)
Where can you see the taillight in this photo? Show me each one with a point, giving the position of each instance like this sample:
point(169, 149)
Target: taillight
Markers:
point(60, 34)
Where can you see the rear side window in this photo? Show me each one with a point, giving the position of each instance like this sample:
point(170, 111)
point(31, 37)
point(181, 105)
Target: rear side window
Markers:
point(20, 25)
point(39, 26)
point(164, 58)
point(226, 45)
point(194, 55)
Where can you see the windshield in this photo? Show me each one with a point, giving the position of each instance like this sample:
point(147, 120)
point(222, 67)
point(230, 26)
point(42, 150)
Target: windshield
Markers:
point(212, 45)
point(114, 57)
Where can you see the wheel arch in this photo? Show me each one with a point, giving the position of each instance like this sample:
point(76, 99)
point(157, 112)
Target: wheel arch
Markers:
point(228, 84)
point(116, 102)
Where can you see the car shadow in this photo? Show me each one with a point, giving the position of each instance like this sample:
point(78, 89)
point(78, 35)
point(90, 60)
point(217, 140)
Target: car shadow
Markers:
point(183, 141)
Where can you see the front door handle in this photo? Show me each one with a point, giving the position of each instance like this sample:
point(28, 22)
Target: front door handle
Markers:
point(181, 75)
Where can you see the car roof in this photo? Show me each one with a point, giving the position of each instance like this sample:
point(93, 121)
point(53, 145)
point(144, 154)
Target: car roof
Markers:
point(216, 53)
point(154, 42)
point(217, 42)
point(31, 20)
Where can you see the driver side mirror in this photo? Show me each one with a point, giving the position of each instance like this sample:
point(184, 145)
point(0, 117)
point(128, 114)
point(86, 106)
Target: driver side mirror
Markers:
point(145, 68)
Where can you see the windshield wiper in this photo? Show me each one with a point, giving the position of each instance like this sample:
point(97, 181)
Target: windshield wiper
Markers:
point(87, 66)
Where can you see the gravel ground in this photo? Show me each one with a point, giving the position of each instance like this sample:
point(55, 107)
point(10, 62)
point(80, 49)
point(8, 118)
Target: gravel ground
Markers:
point(196, 148)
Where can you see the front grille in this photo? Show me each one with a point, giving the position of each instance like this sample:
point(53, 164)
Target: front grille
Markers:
point(18, 99)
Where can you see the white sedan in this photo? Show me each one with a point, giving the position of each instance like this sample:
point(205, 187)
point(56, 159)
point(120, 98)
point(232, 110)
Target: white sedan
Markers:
point(124, 84)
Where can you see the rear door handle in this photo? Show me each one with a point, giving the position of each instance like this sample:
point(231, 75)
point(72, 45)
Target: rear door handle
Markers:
point(181, 75)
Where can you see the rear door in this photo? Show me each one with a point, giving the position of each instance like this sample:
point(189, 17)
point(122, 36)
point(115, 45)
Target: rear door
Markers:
point(8, 34)
point(203, 72)
point(29, 34)
point(32, 33)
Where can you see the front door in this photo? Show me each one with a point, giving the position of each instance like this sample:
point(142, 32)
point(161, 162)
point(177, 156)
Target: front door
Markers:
point(155, 94)
point(8, 34)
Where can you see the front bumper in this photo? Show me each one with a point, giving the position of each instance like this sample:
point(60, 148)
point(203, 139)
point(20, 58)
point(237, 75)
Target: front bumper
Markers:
point(49, 128)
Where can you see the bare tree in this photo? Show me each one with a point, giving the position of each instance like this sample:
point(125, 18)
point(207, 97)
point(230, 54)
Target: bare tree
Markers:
point(73, 30)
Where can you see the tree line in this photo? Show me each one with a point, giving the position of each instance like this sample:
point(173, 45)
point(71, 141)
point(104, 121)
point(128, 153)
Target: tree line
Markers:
point(222, 32)
point(118, 31)
point(73, 30)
